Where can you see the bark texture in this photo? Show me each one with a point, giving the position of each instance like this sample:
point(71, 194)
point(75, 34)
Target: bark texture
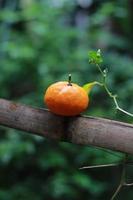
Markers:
point(82, 130)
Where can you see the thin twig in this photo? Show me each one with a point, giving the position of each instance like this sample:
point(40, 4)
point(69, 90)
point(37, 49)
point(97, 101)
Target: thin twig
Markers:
point(100, 166)
point(128, 184)
point(122, 183)
point(124, 111)
point(98, 66)
point(122, 179)
point(117, 191)
point(107, 165)
point(113, 96)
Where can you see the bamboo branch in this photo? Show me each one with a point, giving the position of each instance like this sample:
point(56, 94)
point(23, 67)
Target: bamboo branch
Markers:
point(98, 132)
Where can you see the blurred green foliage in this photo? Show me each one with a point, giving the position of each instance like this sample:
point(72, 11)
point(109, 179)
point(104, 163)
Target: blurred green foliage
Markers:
point(42, 42)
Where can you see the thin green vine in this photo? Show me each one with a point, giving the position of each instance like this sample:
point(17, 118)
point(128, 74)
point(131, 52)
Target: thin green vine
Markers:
point(96, 58)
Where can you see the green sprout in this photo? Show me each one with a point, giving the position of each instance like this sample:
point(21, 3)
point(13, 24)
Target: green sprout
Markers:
point(95, 57)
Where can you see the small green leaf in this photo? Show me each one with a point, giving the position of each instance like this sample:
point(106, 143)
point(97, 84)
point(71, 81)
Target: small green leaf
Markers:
point(88, 87)
point(95, 57)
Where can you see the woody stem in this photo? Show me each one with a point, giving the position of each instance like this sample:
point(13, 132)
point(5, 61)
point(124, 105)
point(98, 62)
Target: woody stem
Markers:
point(69, 79)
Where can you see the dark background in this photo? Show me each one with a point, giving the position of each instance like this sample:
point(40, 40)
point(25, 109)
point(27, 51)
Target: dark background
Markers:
point(40, 43)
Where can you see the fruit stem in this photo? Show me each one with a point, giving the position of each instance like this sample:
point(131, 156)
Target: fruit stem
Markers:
point(69, 80)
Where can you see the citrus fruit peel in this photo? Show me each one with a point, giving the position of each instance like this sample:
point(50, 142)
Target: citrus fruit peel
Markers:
point(66, 98)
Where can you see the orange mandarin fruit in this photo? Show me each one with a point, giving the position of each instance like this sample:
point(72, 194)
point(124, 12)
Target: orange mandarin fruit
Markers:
point(66, 98)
